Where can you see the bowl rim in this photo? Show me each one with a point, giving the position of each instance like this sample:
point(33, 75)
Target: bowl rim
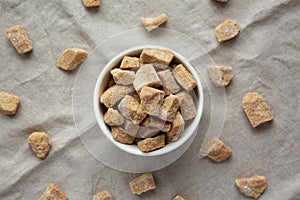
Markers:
point(185, 135)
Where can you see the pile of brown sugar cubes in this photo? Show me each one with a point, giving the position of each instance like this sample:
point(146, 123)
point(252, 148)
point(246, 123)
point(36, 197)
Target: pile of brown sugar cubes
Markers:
point(149, 99)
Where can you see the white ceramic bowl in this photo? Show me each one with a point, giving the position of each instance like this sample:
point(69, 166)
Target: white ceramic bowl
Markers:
point(99, 110)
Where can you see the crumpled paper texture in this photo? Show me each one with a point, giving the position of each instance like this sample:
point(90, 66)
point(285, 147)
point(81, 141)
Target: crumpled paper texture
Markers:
point(265, 58)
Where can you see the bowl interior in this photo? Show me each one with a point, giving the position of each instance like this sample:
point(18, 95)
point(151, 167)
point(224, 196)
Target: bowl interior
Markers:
point(99, 109)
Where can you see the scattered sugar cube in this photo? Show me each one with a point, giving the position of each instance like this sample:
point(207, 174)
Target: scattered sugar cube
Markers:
point(104, 195)
point(40, 144)
point(19, 39)
point(142, 184)
point(256, 109)
point(216, 150)
point(252, 186)
point(153, 23)
point(91, 3)
point(227, 30)
point(9, 103)
point(53, 193)
point(71, 58)
point(219, 75)
point(178, 198)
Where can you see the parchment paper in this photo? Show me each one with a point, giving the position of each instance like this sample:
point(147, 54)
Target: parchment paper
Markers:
point(265, 58)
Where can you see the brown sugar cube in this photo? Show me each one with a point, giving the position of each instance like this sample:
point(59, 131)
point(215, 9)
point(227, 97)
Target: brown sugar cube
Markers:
point(9, 103)
point(114, 94)
point(131, 128)
point(219, 75)
point(146, 76)
point(151, 144)
point(169, 84)
point(153, 23)
point(187, 106)
point(104, 195)
point(123, 77)
point(113, 117)
point(184, 77)
point(177, 128)
point(156, 123)
point(178, 198)
point(253, 186)
point(71, 58)
point(130, 63)
point(256, 109)
point(120, 135)
point(19, 39)
point(40, 144)
point(142, 184)
point(131, 109)
point(151, 100)
point(216, 150)
point(53, 193)
point(160, 58)
point(227, 30)
point(170, 106)
point(91, 3)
